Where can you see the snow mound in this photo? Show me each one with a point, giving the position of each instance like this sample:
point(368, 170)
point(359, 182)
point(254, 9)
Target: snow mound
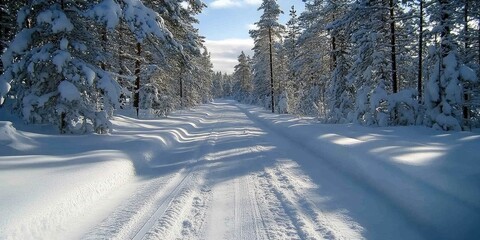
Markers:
point(7, 131)
point(11, 138)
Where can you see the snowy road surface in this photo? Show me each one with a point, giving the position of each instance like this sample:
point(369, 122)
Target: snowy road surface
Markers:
point(230, 171)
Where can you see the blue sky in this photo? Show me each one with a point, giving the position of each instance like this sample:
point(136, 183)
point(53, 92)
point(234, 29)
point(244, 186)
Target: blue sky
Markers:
point(225, 24)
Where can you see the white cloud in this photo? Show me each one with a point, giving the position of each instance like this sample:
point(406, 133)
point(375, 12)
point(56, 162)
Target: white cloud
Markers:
point(224, 53)
point(253, 2)
point(233, 3)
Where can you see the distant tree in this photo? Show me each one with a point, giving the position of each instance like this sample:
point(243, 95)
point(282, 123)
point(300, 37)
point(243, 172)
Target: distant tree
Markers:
point(242, 78)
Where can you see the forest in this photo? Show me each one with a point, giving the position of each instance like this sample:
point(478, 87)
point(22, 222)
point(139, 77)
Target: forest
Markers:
point(378, 63)
point(349, 119)
point(71, 63)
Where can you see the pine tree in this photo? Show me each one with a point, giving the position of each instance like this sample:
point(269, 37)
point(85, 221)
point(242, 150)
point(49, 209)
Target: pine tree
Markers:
point(291, 53)
point(243, 76)
point(8, 25)
point(268, 32)
point(54, 76)
point(56, 63)
point(339, 91)
point(444, 98)
point(312, 62)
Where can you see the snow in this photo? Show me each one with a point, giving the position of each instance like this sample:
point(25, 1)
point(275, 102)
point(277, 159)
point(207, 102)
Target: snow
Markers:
point(60, 59)
point(68, 91)
point(18, 45)
point(89, 74)
point(107, 12)
point(4, 89)
point(64, 44)
point(468, 74)
point(143, 21)
point(22, 16)
point(57, 19)
point(225, 170)
point(110, 87)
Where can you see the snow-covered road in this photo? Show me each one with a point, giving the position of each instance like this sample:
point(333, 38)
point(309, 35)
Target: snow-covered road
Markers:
point(230, 171)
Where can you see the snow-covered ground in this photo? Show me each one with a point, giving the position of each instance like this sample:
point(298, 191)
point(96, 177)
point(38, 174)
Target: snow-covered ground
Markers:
point(230, 171)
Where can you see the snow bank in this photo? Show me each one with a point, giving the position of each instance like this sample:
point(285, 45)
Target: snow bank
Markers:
point(44, 195)
point(56, 186)
point(49, 182)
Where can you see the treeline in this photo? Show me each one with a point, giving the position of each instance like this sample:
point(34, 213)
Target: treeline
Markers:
point(72, 62)
point(372, 62)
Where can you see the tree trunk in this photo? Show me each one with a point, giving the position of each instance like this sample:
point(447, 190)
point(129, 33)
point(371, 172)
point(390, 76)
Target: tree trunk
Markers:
point(181, 85)
point(393, 51)
point(334, 54)
point(271, 68)
point(420, 54)
point(445, 31)
point(104, 45)
point(466, 97)
point(136, 98)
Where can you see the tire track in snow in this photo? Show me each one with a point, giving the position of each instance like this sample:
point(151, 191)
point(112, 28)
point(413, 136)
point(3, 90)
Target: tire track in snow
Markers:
point(277, 222)
point(168, 213)
point(179, 221)
point(247, 215)
point(177, 190)
point(175, 219)
point(132, 212)
point(310, 221)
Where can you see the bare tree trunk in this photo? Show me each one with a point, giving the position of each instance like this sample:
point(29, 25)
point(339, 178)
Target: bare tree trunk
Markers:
point(271, 69)
point(104, 45)
point(420, 55)
point(334, 54)
point(181, 84)
point(63, 122)
point(393, 55)
point(466, 97)
point(445, 31)
point(136, 98)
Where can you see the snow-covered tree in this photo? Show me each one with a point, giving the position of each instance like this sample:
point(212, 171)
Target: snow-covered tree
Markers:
point(52, 63)
point(444, 89)
point(268, 32)
point(291, 52)
point(312, 61)
point(243, 76)
point(8, 24)
point(51, 70)
point(339, 91)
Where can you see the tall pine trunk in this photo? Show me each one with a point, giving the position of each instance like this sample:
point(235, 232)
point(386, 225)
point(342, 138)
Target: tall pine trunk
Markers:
point(420, 54)
point(136, 98)
point(271, 68)
point(394, 50)
point(466, 97)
